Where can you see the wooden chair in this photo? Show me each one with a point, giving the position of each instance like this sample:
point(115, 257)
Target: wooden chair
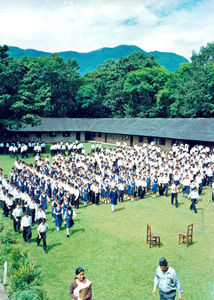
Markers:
point(152, 238)
point(186, 237)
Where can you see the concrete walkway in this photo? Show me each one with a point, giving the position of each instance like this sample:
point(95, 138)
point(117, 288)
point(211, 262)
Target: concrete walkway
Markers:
point(3, 294)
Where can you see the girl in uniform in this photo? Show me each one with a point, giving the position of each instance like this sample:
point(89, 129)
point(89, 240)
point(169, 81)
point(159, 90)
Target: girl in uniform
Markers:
point(54, 205)
point(58, 213)
point(68, 218)
point(154, 186)
point(43, 200)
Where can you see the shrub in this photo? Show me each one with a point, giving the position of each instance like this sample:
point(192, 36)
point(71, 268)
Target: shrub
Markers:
point(5, 253)
point(6, 236)
point(34, 294)
point(22, 272)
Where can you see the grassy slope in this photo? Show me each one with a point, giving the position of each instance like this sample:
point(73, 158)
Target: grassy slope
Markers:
point(112, 248)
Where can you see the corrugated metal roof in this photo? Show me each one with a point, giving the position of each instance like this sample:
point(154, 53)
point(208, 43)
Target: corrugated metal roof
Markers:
point(60, 124)
point(200, 129)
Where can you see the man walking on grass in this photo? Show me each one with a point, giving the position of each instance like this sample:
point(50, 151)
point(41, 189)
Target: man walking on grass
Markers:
point(167, 280)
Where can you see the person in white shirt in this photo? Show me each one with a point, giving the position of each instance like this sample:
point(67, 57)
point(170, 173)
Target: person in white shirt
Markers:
point(33, 209)
point(26, 227)
point(40, 214)
point(174, 194)
point(9, 205)
point(121, 188)
point(17, 213)
point(193, 196)
point(42, 228)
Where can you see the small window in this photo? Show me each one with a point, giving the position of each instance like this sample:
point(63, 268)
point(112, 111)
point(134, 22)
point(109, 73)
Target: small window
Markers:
point(38, 135)
point(52, 134)
point(66, 134)
point(122, 137)
point(162, 141)
point(140, 139)
point(99, 134)
point(155, 141)
point(112, 136)
point(109, 135)
point(127, 137)
point(150, 139)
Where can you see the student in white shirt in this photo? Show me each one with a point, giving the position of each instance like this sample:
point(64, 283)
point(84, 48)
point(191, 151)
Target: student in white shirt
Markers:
point(26, 227)
point(42, 228)
point(174, 194)
point(193, 196)
point(40, 214)
point(17, 213)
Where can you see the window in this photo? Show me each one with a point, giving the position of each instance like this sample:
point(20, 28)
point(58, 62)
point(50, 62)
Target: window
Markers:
point(155, 141)
point(112, 136)
point(122, 137)
point(99, 134)
point(52, 134)
point(162, 141)
point(140, 139)
point(150, 139)
point(127, 137)
point(38, 135)
point(66, 134)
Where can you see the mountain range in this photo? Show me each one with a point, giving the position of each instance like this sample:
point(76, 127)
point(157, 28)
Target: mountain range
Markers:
point(90, 60)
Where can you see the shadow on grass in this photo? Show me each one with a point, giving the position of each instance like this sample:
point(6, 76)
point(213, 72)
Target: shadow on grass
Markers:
point(180, 204)
point(156, 246)
point(53, 245)
point(189, 245)
point(118, 209)
point(73, 231)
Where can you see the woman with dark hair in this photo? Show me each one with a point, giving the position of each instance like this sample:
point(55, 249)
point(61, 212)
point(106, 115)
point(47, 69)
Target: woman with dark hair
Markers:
point(81, 287)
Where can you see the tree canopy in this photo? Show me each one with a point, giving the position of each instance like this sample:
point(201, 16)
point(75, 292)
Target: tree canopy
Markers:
point(132, 86)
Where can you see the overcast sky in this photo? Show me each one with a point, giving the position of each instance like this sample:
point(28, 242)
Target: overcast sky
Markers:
point(178, 26)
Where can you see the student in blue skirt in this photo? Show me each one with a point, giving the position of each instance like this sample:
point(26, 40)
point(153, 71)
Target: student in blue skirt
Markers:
point(68, 217)
point(44, 199)
point(54, 205)
point(154, 186)
point(58, 213)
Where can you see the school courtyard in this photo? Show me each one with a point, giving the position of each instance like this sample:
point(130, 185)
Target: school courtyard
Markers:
point(112, 248)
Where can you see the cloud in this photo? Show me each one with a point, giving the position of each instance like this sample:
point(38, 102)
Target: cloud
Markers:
point(84, 25)
point(129, 22)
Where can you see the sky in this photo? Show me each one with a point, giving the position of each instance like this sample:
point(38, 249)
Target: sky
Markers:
point(178, 26)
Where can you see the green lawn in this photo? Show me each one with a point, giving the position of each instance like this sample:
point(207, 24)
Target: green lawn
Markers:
point(112, 248)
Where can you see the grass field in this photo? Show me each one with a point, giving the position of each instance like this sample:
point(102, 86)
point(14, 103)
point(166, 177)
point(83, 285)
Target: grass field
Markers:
point(112, 248)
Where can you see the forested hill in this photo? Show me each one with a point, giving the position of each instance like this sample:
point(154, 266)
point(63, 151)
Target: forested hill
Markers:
point(90, 60)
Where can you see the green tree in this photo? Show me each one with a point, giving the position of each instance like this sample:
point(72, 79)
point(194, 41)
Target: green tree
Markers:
point(32, 97)
point(141, 90)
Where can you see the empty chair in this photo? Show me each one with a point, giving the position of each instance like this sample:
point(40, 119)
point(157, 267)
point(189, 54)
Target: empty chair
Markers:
point(152, 238)
point(186, 237)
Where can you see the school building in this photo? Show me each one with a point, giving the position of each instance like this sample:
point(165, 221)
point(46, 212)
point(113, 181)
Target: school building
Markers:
point(164, 132)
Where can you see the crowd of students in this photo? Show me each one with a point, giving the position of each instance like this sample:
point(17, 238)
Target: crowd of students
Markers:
point(107, 175)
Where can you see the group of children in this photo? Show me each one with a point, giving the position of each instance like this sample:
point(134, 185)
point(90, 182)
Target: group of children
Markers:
point(107, 175)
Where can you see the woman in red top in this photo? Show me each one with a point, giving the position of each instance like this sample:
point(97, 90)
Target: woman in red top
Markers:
point(81, 287)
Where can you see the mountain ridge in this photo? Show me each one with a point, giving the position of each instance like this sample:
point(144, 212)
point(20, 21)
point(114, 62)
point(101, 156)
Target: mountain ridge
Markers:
point(88, 61)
